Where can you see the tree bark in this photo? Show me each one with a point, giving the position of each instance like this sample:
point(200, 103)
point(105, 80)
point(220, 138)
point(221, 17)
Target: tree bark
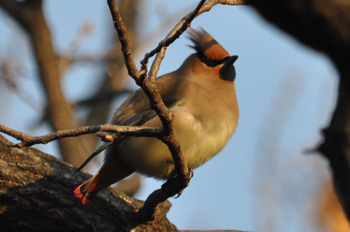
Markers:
point(36, 194)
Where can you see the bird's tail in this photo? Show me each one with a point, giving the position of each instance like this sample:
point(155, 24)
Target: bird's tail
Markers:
point(113, 170)
point(87, 190)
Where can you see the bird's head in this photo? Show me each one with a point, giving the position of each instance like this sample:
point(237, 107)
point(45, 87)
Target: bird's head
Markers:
point(212, 54)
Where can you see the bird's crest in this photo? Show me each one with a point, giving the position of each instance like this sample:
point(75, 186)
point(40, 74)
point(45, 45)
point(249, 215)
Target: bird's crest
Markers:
point(207, 47)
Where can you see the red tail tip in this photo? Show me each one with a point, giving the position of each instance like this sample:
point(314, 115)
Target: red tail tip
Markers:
point(82, 196)
point(78, 193)
point(85, 201)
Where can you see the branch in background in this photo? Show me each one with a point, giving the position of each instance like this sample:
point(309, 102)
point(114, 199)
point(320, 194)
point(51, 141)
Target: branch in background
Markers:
point(111, 82)
point(99, 99)
point(65, 58)
point(329, 33)
point(30, 16)
point(111, 55)
point(10, 73)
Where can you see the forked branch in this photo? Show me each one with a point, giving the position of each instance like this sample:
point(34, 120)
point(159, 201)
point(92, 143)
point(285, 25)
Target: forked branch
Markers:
point(183, 173)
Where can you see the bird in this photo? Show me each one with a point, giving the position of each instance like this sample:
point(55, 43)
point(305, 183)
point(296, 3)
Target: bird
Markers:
point(202, 97)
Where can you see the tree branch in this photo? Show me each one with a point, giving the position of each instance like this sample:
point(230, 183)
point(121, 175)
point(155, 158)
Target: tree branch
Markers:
point(184, 23)
point(126, 47)
point(28, 140)
point(183, 176)
point(30, 16)
point(37, 195)
point(176, 185)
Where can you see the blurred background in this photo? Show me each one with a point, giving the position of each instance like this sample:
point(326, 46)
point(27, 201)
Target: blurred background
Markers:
point(266, 179)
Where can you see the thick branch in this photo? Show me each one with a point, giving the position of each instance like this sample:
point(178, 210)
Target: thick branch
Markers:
point(36, 195)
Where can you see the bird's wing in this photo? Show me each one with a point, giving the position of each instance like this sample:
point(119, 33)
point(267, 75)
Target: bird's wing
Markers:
point(136, 109)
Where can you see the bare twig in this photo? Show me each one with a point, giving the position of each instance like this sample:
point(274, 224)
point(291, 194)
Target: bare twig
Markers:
point(207, 6)
point(174, 34)
point(65, 59)
point(28, 140)
point(9, 73)
point(126, 48)
point(184, 23)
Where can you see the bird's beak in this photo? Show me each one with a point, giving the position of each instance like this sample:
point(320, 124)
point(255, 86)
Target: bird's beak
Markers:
point(231, 60)
point(227, 71)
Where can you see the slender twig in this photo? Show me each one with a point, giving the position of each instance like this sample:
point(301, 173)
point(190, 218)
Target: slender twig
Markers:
point(180, 162)
point(182, 25)
point(174, 146)
point(123, 38)
point(28, 140)
point(174, 34)
point(157, 104)
point(207, 6)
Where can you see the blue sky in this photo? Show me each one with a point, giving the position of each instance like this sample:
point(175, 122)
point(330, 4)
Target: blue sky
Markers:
point(285, 90)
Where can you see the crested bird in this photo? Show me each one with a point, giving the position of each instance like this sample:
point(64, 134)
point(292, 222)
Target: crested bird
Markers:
point(200, 94)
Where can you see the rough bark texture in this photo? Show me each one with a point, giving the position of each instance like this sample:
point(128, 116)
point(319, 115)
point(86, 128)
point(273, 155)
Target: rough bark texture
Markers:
point(323, 25)
point(36, 194)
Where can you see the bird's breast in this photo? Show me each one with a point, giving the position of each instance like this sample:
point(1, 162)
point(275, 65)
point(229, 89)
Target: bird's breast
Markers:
point(203, 123)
